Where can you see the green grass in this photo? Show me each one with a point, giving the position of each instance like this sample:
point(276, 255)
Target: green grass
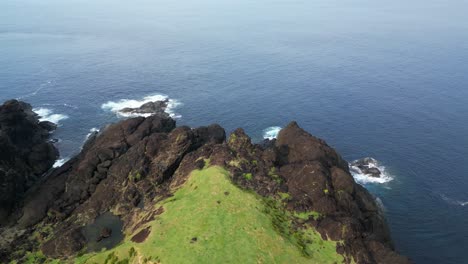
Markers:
point(307, 215)
point(230, 226)
point(284, 196)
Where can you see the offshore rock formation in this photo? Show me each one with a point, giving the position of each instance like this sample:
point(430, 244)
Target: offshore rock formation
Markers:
point(151, 108)
point(130, 166)
point(25, 152)
point(367, 166)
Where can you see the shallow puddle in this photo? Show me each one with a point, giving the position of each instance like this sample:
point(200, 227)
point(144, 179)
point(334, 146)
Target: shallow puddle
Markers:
point(93, 232)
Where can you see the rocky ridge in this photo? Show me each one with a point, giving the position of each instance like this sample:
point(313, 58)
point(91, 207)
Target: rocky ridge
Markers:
point(131, 165)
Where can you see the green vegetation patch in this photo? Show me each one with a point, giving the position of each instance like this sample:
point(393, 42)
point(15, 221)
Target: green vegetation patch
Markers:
point(274, 175)
point(248, 176)
point(210, 220)
point(307, 215)
point(284, 196)
point(134, 176)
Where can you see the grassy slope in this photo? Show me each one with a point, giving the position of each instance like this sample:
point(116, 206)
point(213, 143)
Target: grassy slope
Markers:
point(231, 228)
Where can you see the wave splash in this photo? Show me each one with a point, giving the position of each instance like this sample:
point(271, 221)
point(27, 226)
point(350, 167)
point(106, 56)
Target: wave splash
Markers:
point(118, 106)
point(361, 177)
point(45, 114)
point(92, 131)
point(60, 162)
point(271, 132)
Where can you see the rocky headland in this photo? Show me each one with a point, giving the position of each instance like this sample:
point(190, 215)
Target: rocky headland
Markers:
point(143, 185)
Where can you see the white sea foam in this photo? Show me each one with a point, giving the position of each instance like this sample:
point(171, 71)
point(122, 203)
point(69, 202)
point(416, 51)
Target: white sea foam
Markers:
point(453, 201)
point(46, 114)
point(92, 131)
point(362, 178)
point(60, 162)
point(271, 132)
point(117, 106)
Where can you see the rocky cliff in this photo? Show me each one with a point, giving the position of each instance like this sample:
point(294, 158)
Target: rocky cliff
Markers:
point(143, 185)
point(25, 152)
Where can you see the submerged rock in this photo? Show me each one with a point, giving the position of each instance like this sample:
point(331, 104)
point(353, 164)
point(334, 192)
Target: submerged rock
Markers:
point(105, 233)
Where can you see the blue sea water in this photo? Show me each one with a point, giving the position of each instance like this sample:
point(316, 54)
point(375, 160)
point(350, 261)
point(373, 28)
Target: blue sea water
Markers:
point(386, 79)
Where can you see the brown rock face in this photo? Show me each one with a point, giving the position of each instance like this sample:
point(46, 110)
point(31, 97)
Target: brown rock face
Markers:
point(25, 152)
point(131, 165)
point(296, 145)
point(71, 242)
point(318, 180)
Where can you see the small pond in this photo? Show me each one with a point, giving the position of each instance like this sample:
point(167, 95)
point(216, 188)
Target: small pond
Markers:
point(93, 232)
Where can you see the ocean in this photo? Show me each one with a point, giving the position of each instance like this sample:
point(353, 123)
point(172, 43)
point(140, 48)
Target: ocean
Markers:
point(382, 79)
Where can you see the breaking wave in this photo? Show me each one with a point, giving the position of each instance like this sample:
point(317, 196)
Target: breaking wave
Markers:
point(363, 178)
point(60, 162)
point(46, 114)
point(92, 131)
point(271, 132)
point(117, 106)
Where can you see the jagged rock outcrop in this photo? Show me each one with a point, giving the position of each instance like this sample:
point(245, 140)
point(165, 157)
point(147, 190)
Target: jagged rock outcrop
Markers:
point(130, 166)
point(151, 108)
point(367, 166)
point(25, 152)
point(318, 180)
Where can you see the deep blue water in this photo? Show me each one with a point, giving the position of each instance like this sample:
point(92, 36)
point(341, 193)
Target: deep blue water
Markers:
point(387, 79)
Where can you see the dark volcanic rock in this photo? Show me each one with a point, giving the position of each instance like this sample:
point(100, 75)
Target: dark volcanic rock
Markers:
point(366, 166)
point(318, 179)
point(150, 108)
point(25, 152)
point(141, 236)
point(144, 159)
point(71, 241)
